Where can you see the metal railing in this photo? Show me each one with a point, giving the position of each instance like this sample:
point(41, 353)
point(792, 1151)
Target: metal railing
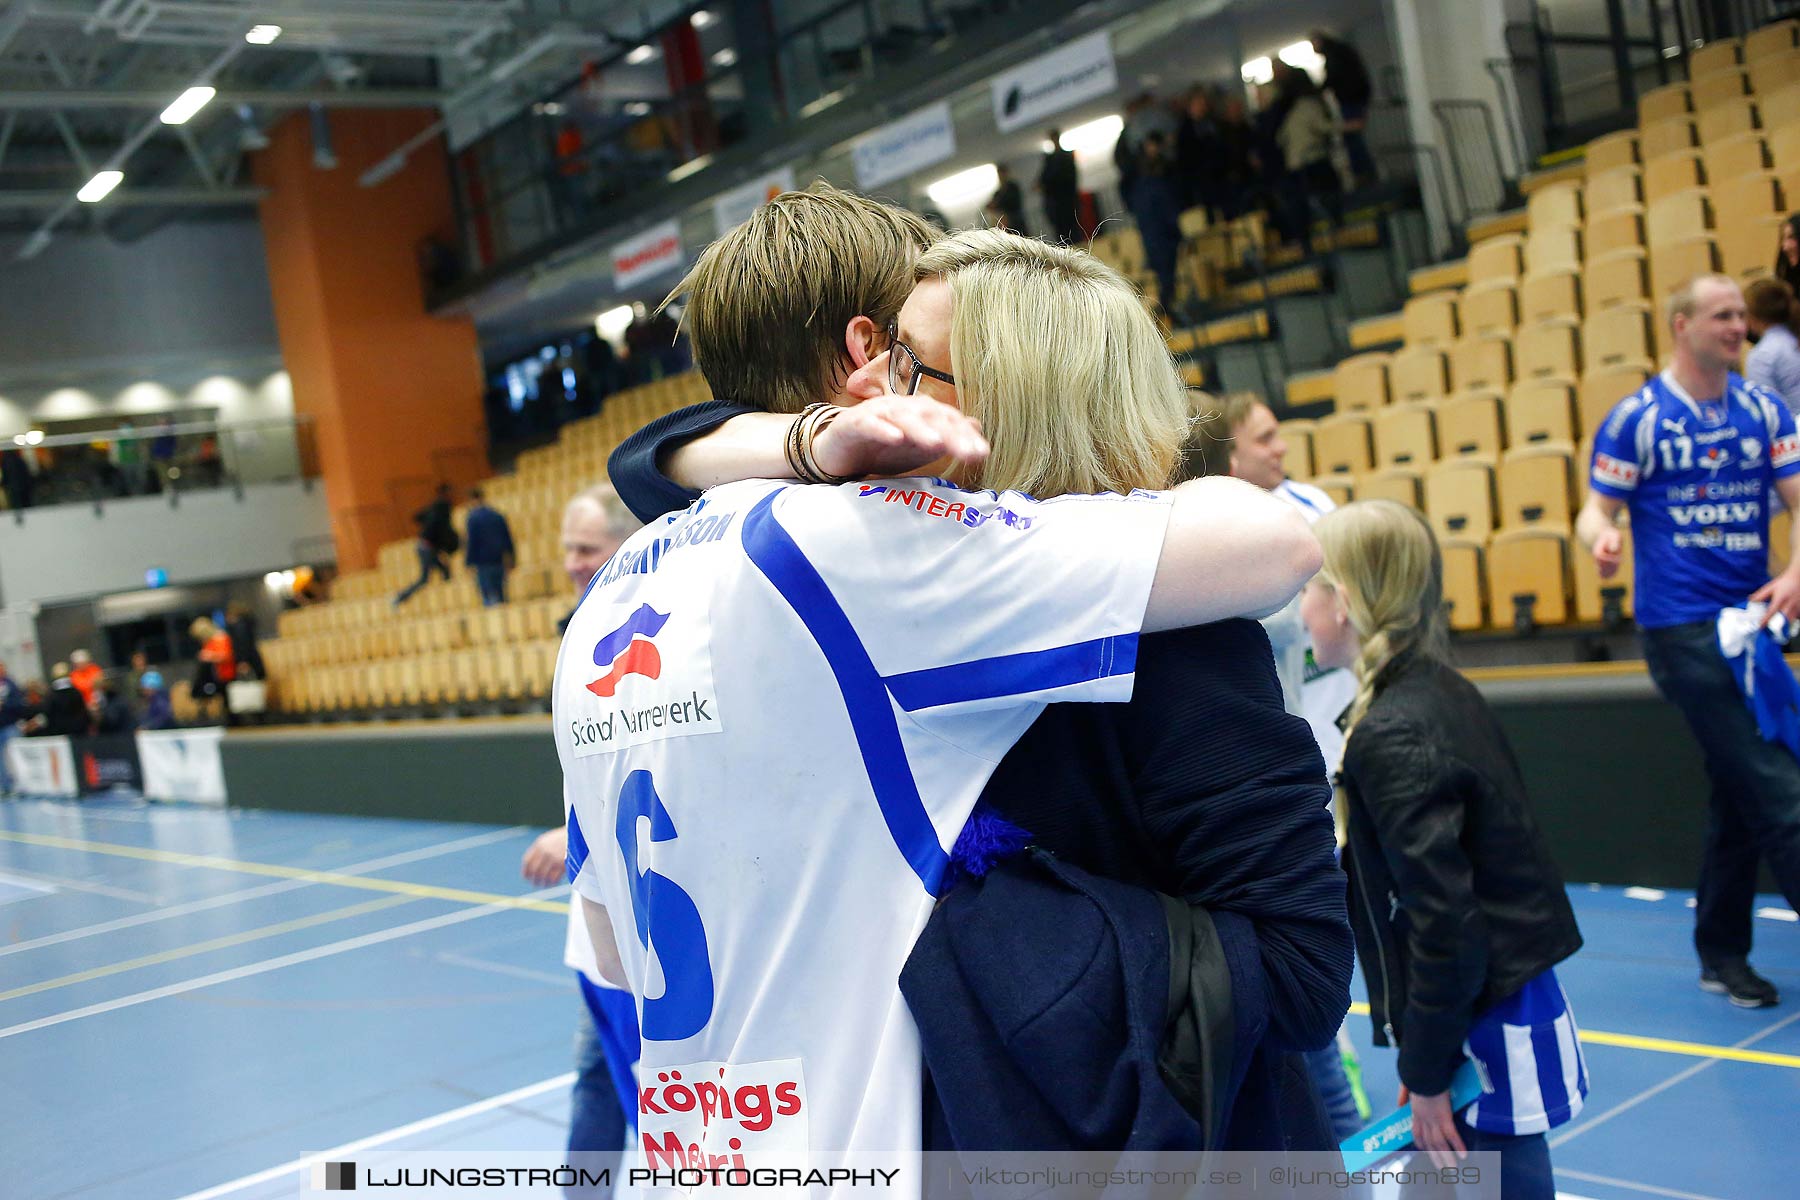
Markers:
point(1472, 139)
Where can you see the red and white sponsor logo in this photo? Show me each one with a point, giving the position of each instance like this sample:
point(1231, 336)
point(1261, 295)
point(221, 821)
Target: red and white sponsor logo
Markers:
point(721, 1115)
point(1785, 451)
point(1616, 472)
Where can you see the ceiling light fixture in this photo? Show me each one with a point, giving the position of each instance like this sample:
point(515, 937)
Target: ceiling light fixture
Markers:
point(1095, 137)
point(262, 35)
point(187, 104)
point(100, 186)
point(703, 18)
point(725, 58)
point(641, 54)
point(965, 187)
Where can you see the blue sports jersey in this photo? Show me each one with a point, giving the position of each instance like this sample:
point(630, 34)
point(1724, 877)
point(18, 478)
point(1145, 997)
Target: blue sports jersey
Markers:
point(1528, 1053)
point(1697, 477)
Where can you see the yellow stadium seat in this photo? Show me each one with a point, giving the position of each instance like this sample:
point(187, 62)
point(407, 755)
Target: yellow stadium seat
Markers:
point(1726, 159)
point(1784, 146)
point(1361, 382)
point(1747, 197)
point(1722, 54)
point(1771, 77)
point(1459, 498)
point(1536, 485)
point(1781, 534)
point(1342, 445)
point(1770, 40)
point(1430, 319)
point(1747, 248)
point(1609, 191)
point(1549, 294)
point(1341, 488)
point(1528, 577)
point(1602, 390)
point(1405, 436)
point(1621, 334)
point(1726, 120)
point(1497, 258)
point(1719, 89)
point(1601, 601)
point(1677, 171)
point(1554, 207)
point(1465, 585)
point(1667, 103)
point(1666, 137)
point(1549, 350)
point(1418, 373)
point(1553, 249)
point(1612, 151)
point(1488, 309)
point(1480, 363)
point(1674, 262)
point(1620, 229)
point(1681, 215)
point(1298, 435)
point(1469, 426)
point(1540, 411)
point(1399, 484)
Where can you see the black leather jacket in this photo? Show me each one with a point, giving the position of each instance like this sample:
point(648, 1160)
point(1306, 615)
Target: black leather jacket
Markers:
point(1454, 898)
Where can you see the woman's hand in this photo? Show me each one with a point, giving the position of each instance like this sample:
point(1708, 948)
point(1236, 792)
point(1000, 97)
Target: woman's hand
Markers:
point(897, 435)
point(1434, 1127)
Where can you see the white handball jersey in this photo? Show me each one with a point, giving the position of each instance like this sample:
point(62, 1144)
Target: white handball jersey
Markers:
point(774, 712)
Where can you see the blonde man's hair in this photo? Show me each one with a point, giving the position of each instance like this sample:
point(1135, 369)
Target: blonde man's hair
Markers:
point(1383, 559)
point(620, 520)
point(1684, 301)
point(1216, 422)
point(1056, 356)
point(768, 303)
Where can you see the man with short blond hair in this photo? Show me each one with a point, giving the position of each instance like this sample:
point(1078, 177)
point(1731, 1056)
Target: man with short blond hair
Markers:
point(1693, 456)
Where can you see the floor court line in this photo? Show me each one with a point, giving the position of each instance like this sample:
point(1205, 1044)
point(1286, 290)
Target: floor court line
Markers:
point(175, 858)
point(1627, 1105)
point(82, 885)
point(267, 965)
point(1631, 1041)
point(482, 964)
point(219, 943)
point(1647, 1188)
point(262, 890)
point(391, 1135)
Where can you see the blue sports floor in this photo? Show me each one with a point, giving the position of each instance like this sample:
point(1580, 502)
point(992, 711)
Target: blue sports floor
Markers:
point(192, 1000)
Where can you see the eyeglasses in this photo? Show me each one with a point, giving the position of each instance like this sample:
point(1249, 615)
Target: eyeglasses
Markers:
point(904, 367)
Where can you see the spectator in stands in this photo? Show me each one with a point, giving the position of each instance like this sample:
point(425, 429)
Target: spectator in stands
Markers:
point(110, 709)
point(215, 664)
point(1459, 911)
point(1156, 206)
point(1144, 115)
point(1059, 184)
point(488, 550)
point(240, 624)
point(1787, 254)
point(1347, 79)
point(1238, 435)
point(1304, 136)
point(158, 710)
point(128, 455)
point(437, 537)
point(15, 479)
point(1774, 318)
point(14, 708)
point(65, 712)
point(1199, 155)
point(595, 524)
point(1696, 436)
point(1006, 208)
point(1052, 780)
point(85, 675)
point(1237, 146)
point(134, 674)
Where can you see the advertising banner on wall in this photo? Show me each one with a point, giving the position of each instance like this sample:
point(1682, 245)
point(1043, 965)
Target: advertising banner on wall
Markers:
point(901, 147)
point(649, 254)
point(182, 764)
point(42, 766)
point(108, 761)
point(734, 207)
point(1050, 83)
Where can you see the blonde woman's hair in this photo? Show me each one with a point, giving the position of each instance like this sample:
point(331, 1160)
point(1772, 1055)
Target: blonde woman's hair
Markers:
point(1056, 356)
point(769, 301)
point(1382, 558)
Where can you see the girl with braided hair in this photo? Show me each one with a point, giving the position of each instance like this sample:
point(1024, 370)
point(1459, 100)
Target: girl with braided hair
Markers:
point(1458, 910)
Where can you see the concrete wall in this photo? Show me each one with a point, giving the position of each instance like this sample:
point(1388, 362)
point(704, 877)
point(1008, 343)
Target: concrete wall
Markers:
point(75, 552)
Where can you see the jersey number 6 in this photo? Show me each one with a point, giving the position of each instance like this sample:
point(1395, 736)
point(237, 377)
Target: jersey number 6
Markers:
point(666, 918)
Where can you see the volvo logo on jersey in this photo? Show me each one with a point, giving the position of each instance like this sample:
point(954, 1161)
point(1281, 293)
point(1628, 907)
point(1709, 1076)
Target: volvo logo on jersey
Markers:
point(654, 682)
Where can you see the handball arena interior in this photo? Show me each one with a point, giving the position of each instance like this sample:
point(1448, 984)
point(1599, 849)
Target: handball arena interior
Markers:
point(247, 332)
